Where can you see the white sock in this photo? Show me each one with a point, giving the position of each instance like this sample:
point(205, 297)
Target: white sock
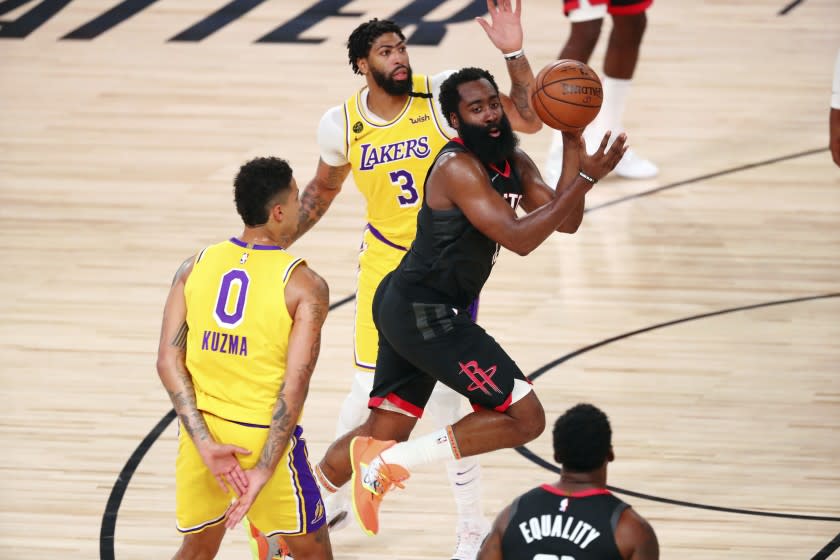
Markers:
point(437, 446)
point(353, 411)
point(611, 115)
point(446, 407)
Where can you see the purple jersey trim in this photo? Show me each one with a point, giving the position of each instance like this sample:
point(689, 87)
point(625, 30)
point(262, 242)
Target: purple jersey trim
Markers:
point(241, 243)
point(378, 234)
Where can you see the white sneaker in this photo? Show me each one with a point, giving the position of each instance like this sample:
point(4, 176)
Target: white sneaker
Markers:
point(338, 508)
point(470, 535)
point(632, 166)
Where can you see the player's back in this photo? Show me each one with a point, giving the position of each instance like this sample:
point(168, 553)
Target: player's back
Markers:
point(579, 525)
point(239, 328)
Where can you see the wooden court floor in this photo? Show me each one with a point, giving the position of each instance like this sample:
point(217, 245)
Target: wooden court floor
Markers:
point(700, 309)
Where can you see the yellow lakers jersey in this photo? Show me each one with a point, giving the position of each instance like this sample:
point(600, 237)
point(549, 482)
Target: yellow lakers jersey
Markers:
point(238, 328)
point(390, 160)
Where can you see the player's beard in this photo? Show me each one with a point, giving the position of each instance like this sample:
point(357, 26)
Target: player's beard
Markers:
point(488, 149)
point(390, 85)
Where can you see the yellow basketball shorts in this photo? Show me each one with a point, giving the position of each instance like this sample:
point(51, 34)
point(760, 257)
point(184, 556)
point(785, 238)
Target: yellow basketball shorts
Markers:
point(289, 503)
point(377, 258)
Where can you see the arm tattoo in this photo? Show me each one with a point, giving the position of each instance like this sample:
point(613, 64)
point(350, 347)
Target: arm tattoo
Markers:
point(519, 90)
point(313, 206)
point(282, 421)
point(181, 269)
point(185, 405)
point(180, 338)
point(278, 435)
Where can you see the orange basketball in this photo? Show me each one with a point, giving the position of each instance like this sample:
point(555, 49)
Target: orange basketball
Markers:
point(568, 95)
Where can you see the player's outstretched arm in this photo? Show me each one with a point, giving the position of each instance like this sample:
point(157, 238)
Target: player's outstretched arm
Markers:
point(491, 549)
point(172, 369)
point(505, 32)
point(307, 299)
point(317, 197)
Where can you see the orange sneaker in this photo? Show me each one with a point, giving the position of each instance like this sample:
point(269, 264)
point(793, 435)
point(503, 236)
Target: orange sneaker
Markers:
point(371, 484)
point(263, 548)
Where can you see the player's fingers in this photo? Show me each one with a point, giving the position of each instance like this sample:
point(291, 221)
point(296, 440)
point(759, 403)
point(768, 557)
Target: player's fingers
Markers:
point(241, 450)
point(239, 480)
point(603, 147)
point(491, 7)
point(484, 25)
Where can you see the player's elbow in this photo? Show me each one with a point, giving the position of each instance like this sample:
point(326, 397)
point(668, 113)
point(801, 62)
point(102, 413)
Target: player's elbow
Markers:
point(531, 126)
point(569, 228)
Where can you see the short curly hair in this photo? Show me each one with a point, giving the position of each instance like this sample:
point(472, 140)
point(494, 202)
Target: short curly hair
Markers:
point(362, 38)
point(449, 96)
point(582, 438)
point(257, 185)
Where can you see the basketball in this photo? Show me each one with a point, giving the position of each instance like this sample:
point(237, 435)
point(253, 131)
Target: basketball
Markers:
point(568, 95)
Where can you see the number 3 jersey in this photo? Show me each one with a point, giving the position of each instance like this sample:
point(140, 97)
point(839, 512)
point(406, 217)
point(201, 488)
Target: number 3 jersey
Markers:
point(390, 159)
point(239, 328)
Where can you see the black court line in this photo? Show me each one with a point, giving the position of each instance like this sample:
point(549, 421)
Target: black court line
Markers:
point(604, 342)
point(536, 459)
point(828, 549)
point(706, 177)
point(784, 11)
point(109, 517)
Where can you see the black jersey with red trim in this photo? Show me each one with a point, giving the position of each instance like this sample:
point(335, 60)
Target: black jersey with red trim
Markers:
point(548, 521)
point(450, 260)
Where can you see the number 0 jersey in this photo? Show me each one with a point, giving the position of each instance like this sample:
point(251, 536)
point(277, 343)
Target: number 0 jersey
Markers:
point(239, 328)
point(390, 160)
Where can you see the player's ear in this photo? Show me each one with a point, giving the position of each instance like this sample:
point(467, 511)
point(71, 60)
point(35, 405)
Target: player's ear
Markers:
point(276, 212)
point(610, 456)
point(453, 119)
point(362, 63)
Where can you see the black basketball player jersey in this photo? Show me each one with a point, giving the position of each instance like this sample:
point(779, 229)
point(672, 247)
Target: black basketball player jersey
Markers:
point(579, 526)
point(450, 260)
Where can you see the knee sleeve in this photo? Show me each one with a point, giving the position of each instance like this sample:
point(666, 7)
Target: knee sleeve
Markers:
point(354, 409)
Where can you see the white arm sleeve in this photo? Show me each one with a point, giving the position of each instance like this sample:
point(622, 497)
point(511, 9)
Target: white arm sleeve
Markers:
point(435, 82)
point(835, 88)
point(331, 137)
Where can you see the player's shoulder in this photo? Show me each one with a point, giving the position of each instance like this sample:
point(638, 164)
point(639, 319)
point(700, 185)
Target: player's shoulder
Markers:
point(634, 532)
point(309, 280)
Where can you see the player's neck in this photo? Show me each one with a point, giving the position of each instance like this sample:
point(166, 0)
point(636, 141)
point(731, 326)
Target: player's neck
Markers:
point(576, 481)
point(260, 236)
point(383, 104)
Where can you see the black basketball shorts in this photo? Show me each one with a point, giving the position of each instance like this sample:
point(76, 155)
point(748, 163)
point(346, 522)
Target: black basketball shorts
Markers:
point(423, 343)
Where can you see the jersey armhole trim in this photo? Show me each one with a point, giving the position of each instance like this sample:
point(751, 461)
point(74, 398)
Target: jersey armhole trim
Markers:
point(616, 515)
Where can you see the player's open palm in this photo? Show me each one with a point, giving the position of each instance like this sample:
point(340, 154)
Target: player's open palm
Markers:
point(604, 160)
point(221, 459)
point(505, 26)
point(257, 477)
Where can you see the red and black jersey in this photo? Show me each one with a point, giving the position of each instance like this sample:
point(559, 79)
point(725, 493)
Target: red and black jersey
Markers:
point(548, 521)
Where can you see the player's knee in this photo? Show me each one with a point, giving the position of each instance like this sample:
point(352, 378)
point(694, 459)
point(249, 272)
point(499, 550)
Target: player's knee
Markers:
point(533, 426)
point(584, 35)
point(629, 29)
point(198, 546)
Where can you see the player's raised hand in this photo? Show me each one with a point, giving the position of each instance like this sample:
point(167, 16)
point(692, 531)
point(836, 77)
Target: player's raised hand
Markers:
point(221, 459)
point(604, 160)
point(505, 26)
point(257, 477)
